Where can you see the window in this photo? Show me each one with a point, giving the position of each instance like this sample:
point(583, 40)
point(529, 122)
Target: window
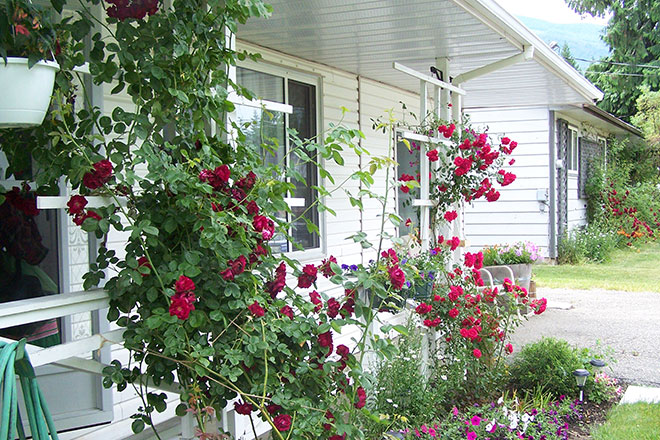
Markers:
point(573, 148)
point(300, 94)
point(408, 165)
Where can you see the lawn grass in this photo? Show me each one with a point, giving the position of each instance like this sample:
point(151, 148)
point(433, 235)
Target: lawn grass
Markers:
point(639, 421)
point(633, 270)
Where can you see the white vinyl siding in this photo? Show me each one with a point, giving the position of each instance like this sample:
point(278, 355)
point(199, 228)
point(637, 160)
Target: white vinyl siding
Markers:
point(516, 215)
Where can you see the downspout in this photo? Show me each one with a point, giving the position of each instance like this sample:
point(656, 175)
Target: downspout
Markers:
point(552, 245)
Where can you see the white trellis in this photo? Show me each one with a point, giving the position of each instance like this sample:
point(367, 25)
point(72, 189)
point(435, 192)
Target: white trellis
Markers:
point(444, 94)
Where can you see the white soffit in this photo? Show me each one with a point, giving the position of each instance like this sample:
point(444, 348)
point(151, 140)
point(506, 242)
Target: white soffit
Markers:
point(366, 37)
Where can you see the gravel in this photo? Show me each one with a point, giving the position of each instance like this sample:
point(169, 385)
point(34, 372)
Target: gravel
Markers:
point(628, 322)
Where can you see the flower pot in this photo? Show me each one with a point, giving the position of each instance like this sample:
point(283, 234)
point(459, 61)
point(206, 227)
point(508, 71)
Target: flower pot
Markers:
point(26, 93)
point(523, 274)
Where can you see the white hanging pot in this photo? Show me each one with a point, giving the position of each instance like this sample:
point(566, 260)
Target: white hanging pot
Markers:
point(26, 92)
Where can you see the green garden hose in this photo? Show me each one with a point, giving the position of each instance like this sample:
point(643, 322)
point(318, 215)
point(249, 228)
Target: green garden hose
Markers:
point(14, 361)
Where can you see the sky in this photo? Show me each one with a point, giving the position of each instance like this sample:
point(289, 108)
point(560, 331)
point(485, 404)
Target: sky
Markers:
point(555, 11)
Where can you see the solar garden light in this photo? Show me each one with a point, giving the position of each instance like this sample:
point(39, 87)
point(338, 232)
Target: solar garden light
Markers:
point(581, 378)
point(598, 364)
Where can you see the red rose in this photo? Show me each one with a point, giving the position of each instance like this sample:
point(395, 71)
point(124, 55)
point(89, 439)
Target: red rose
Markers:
point(282, 422)
point(463, 165)
point(362, 398)
point(470, 259)
point(405, 178)
point(432, 155)
point(397, 277)
point(455, 292)
point(265, 226)
point(509, 348)
point(325, 340)
point(477, 353)
point(144, 262)
point(450, 215)
point(432, 322)
point(243, 408)
point(238, 265)
point(252, 208)
point(308, 276)
point(287, 311)
point(99, 176)
point(256, 309)
point(343, 351)
point(333, 307)
point(455, 242)
point(453, 312)
point(76, 204)
point(184, 284)
point(227, 274)
point(277, 285)
point(325, 268)
point(182, 304)
point(505, 141)
point(423, 308)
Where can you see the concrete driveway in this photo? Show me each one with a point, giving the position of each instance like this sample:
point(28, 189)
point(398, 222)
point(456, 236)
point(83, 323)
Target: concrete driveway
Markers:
point(629, 322)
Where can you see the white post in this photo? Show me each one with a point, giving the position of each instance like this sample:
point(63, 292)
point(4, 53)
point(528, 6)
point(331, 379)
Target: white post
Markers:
point(187, 427)
point(459, 223)
point(423, 172)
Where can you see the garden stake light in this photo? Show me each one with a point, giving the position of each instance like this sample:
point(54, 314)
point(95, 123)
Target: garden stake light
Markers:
point(581, 378)
point(598, 364)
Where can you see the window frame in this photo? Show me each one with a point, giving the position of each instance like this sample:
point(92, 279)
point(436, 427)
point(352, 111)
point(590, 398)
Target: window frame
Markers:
point(311, 79)
point(573, 152)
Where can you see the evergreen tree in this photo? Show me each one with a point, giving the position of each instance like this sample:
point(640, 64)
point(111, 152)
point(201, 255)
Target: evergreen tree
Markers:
point(634, 60)
point(568, 56)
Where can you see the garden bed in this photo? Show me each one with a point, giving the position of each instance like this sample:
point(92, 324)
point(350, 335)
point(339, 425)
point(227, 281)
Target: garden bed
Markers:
point(593, 415)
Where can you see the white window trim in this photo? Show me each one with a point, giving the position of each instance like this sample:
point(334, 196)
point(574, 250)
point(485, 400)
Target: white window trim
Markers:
point(576, 171)
point(307, 78)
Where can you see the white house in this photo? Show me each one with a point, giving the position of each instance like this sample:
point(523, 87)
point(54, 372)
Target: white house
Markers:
point(322, 56)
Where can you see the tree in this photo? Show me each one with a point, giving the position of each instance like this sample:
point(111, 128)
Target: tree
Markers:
point(568, 56)
point(634, 51)
point(648, 115)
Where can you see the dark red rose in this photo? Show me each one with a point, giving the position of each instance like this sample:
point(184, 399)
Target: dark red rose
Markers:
point(277, 285)
point(243, 408)
point(287, 311)
point(333, 307)
point(315, 298)
point(238, 265)
point(423, 308)
point(227, 274)
point(282, 422)
point(325, 340)
point(99, 176)
point(252, 208)
point(362, 398)
point(256, 309)
point(308, 276)
point(432, 155)
point(76, 204)
point(397, 277)
point(325, 268)
point(343, 351)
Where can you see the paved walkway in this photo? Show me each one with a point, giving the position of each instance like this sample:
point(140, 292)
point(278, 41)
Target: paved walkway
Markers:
point(629, 322)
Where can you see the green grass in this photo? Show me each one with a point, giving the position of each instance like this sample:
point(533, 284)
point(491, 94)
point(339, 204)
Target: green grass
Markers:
point(640, 421)
point(633, 270)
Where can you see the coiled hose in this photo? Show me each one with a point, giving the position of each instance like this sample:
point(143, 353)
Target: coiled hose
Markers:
point(14, 361)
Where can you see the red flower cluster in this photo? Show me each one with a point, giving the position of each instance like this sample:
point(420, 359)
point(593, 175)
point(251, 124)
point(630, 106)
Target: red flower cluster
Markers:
point(325, 268)
point(474, 260)
point(432, 155)
point(325, 340)
point(277, 285)
point(236, 267)
point(183, 301)
point(80, 218)
point(282, 422)
point(76, 204)
point(138, 9)
point(507, 178)
point(99, 176)
point(463, 165)
point(447, 131)
point(361, 398)
point(256, 309)
point(450, 216)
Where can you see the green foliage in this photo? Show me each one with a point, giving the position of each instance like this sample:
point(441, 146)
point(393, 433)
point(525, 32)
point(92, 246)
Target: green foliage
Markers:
point(588, 244)
point(568, 56)
point(402, 394)
point(633, 38)
point(27, 30)
point(522, 252)
point(547, 365)
point(648, 116)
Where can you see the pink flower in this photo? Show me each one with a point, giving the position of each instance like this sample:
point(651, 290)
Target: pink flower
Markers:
point(454, 243)
point(475, 421)
point(471, 435)
point(509, 348)
point(477, 353)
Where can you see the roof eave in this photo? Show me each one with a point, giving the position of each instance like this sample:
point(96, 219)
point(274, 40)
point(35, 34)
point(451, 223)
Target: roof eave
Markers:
point(608, 117)
point(520, 36)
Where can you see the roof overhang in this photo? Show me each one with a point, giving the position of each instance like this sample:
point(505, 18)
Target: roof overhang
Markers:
point(365, 37)
point(596, 117)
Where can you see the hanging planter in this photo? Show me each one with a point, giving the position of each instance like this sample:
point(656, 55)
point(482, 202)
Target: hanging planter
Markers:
point(26, 92)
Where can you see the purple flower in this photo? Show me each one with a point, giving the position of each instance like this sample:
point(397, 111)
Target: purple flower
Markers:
point(354, 267)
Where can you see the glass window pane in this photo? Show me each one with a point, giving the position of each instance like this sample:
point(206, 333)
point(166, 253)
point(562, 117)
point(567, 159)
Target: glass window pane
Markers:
point(408, 164)
point(262, 85)
point(302, 97)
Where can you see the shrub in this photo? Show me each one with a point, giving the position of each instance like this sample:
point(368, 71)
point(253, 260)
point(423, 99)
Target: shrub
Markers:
point(589, 244)
point(548, 365)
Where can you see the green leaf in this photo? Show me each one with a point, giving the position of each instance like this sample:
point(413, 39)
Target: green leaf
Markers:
point(151, 230)
point(137, 426)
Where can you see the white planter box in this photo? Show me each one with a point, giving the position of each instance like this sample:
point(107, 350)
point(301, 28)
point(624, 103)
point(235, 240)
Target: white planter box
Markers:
point(26, 93)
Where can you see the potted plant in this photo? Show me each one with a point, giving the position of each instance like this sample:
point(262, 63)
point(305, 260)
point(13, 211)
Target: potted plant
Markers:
point(28, 44)
point(519, 257)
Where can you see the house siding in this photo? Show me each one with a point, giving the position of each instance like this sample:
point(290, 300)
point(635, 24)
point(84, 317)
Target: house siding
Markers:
point(516, 215)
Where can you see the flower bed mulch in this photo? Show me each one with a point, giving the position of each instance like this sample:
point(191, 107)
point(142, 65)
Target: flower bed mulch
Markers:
point(593, 415)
